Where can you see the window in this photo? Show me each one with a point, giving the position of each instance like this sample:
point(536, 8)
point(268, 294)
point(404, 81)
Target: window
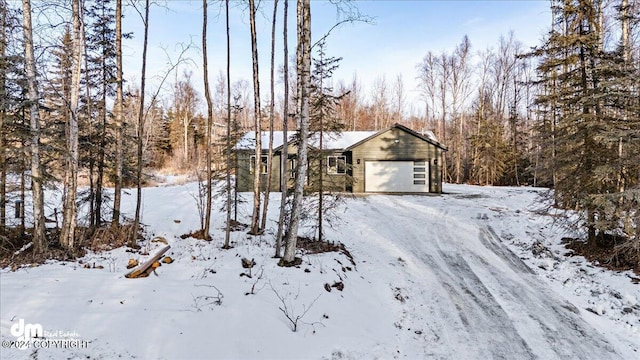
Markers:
point(419, 173)
point(292, 168)
point(336, 164)
point(263, 167)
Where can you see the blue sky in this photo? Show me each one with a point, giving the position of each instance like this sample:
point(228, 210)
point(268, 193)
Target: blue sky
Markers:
point(399, 36)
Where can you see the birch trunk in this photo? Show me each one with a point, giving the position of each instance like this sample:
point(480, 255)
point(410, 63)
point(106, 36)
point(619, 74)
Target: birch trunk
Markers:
point(284, 179)
point(227, 233)
point(303, 59)
point(70, 211)
point(626, 49)
point(265, 207)
point(39, 239)
point(207, 95)
point(115, 221)
point(257, 166)
point(136, 219)
point(3, 106)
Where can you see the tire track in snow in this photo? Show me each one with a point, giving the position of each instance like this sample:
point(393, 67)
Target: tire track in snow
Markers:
point(483, 316)
point(557, 320)
point(488, 238)
point(493, 303)
point(481, 321)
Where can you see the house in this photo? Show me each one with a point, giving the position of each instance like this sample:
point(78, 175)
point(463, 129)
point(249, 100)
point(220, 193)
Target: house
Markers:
point(393, 160)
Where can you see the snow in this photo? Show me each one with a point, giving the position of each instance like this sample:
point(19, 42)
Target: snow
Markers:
point(334, 141)
point(444, 277)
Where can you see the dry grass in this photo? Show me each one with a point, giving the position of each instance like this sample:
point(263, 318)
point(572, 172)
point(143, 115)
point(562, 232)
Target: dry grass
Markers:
point(110, 237)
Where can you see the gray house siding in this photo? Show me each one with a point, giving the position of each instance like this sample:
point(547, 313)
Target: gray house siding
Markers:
point(397, 143)
point(245, 176)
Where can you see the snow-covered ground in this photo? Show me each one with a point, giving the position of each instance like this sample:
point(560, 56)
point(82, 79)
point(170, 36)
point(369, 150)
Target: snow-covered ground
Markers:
point(442, 277)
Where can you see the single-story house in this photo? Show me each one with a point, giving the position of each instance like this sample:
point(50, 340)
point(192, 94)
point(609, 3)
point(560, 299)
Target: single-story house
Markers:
point(393, 160)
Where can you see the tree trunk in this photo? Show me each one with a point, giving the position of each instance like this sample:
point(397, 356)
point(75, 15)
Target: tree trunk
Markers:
point(320, 73)
point(185, 140)
point(265, 206)
point(303, 59)
point(284, 177)
point(117, 196)
point(89, 112)
point(626, 56)
point(257, 166)
point(70, 212)
point(3, 107)
point(136, 220)
point(103, 143)
point(39, 239)
point(23, 185)
point(207, 95)
point(227, 232)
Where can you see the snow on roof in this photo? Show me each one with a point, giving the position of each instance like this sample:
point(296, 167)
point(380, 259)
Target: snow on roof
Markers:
point(248, 141)
point(329, 140)
point(341, 140)
point(429, 135)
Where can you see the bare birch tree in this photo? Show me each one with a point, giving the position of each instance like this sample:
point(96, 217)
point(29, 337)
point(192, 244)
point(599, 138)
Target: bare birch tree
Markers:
point(70, 211)
point(303, 66)
point(227, 233)
point(427, 73)
point(460, 76)
point(3, 112)
point(119, 116)
point(208, 123)
point(380, 103)
point(39, 237)
point(284, 179)
point(265, 206)
point(140, 132)
point(257, 166)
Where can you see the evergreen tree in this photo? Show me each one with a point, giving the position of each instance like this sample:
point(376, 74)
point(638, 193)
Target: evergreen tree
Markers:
point(323, 124)
point(102, 80)
point(12, 90)
point(592, 115)
point(491, 151)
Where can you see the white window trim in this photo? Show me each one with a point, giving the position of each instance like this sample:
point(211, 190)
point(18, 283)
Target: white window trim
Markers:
point(337, 171)
point(264, 167)
point(291, 168)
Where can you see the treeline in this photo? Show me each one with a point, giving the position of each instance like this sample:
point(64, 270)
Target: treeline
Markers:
point(563, 115)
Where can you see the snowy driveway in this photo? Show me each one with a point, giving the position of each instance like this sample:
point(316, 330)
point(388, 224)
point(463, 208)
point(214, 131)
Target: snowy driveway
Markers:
point(476, 298)
point(434, 278)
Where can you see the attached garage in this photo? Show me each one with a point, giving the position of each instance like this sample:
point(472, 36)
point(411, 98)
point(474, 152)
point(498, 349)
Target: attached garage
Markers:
point(396, 160)
point(396, 176)
point(392, 160)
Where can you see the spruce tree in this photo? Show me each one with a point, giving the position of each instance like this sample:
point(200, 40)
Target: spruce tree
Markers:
point(591, 102)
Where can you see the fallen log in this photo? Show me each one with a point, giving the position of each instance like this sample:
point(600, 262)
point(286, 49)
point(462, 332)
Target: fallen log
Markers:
point(144, 269)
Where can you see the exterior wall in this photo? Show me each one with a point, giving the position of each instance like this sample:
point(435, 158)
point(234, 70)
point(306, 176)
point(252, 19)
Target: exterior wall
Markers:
point(332, 182)
point(396, 144)
point(381, 147)
point(245, 178)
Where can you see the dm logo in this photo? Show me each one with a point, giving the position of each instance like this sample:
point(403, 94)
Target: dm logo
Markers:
point(25, 332)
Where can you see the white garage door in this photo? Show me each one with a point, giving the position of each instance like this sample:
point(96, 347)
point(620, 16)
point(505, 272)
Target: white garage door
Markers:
point(396, 176)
